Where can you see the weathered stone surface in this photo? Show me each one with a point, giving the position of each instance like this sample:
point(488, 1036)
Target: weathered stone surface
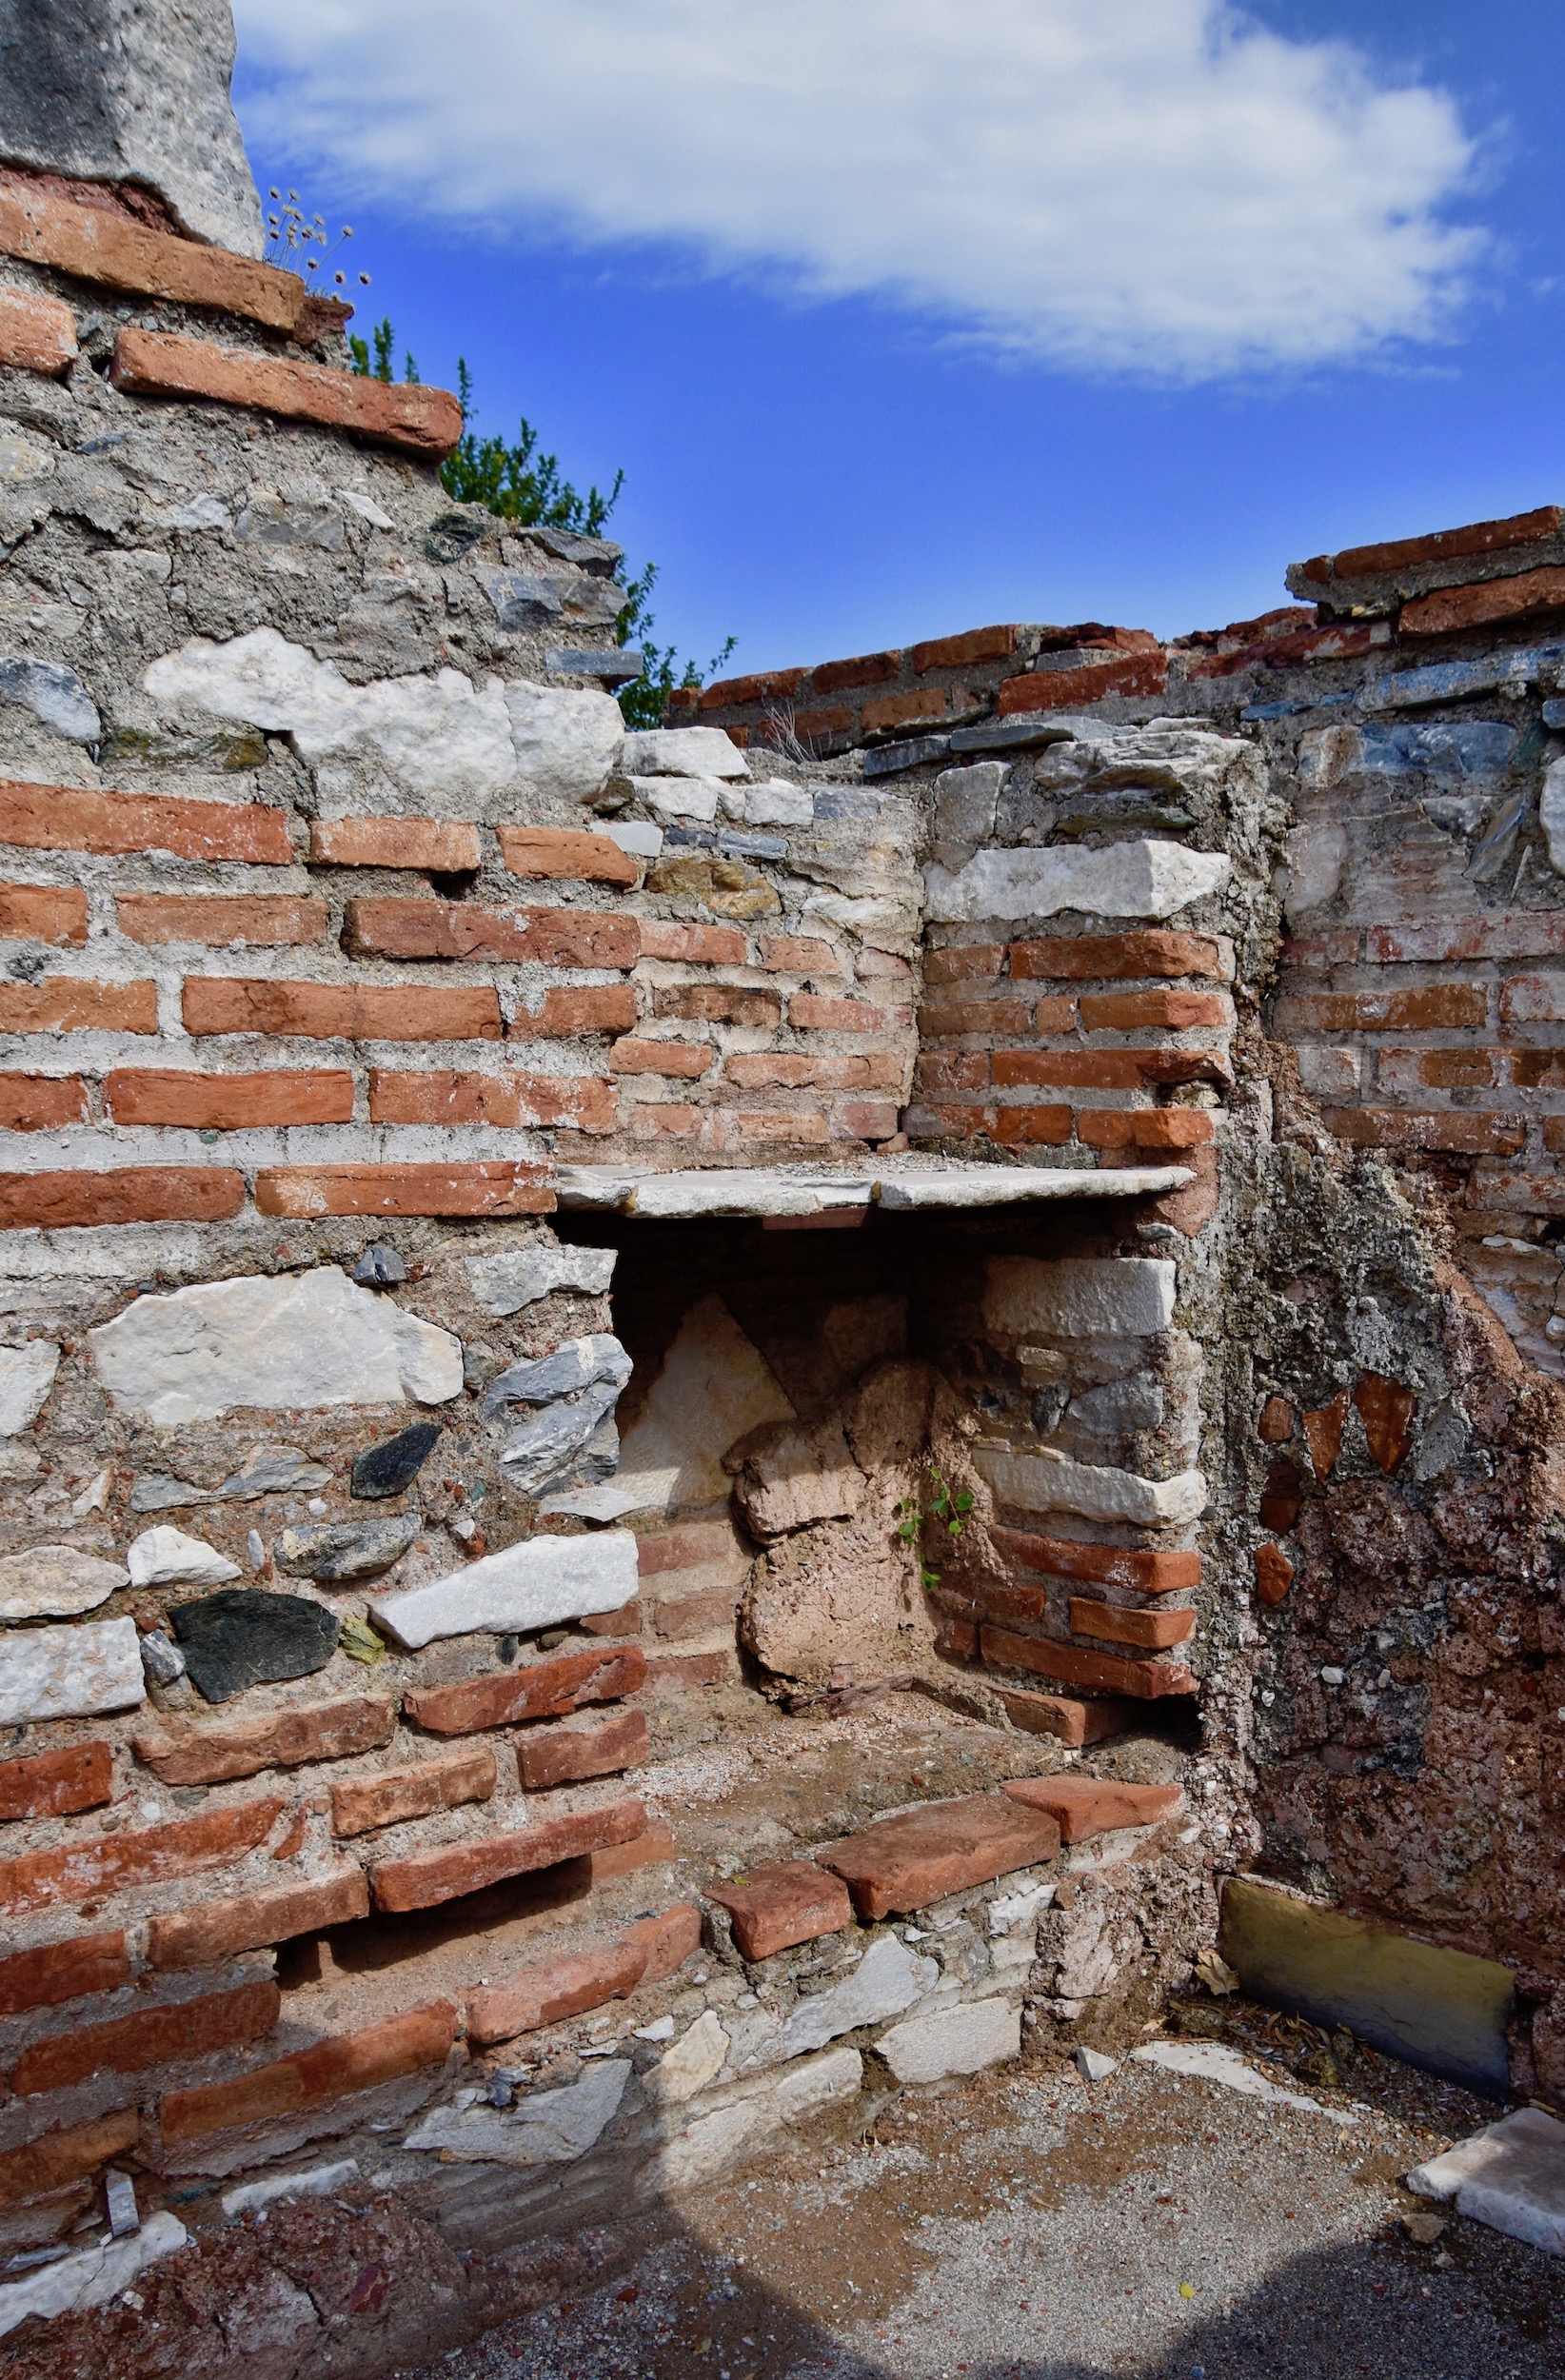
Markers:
point(381, 1267)
point(578, 1363)
point(546, 1994)
point(166, 1557)
point(776, 1906)
point(890, 1978)
point(682, 752)
point(545, 2127)
point(55, 1582)
point(518, 1277)
point(565, 744)
point(131, 94)
point(71, 1673)
point(1079, 1298)
point(961, 2040)
point(909, 1861)
point(714, 1387)
point(555, 1444)
point(268, 1470)
point(27, 1374)
point(274, 1342)
point(319, 2181)
point(1128, 880)
point(92, 2277)
point(334, 1550)
point(1084, 1806)
point(690, 2063)
point(1047, 1482)
point(388, 1469)
point(536, 1583)
point(181, 1754)
point(1511, 2176)
point(792, 1477)
point(242, 1637)
point(749, 2114)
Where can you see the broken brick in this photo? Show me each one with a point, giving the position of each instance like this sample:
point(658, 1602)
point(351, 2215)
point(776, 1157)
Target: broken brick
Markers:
point(1084, 1806)
point(782, 1904)
point(908, 1863)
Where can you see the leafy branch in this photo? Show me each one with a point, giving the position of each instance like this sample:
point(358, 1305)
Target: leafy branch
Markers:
point(937, 1504)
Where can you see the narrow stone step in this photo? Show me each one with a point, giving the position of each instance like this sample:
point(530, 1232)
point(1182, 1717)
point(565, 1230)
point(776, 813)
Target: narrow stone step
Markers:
point(1083, 1806)
point(776, 1907)
point(908, 1863)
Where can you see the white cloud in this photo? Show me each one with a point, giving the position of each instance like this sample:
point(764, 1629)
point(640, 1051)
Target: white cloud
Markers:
point(1143, 185)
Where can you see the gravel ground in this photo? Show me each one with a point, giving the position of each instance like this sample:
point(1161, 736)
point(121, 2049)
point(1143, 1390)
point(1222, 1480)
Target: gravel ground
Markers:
point(1025, 2227)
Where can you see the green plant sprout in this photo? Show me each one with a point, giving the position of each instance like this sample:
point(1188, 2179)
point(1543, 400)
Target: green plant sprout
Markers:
point(942, 1505)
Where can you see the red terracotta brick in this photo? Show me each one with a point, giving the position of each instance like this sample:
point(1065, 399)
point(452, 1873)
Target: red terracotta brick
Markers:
point(424, 1878)
point(1144, 1127)
point(1462, 1132)
point(60, 2158)
point(133, 1193)
point(718, 1004)
point(1069, 1720)
point(64, 1970)
point(1554, 1134)
point(831, 719)
point(41, 1102)
point(667, 1940)
point(228, 1103)
point(685, 1059)
point(381, 928)
point(1068, 689)
point(421, 421)
point(906, 1862)
point(1018, 1127)
point(1105, 1069)
point(937, 1019)
point(681, 1673)
point(55, 1784)
point(437, 847)
point(37, 334)
point(792, 1128)
point(42, 913)
point(962, 962)
point(206, 1936)
point(1336, 641)
point(817, 1012)
point(91, 1868)
point(798, 954)
point(688, 1548)
point(548, 1993)
point(90, 243)
point(566, 1751)
point(329, 2069)
point(1387, 1410)
point(184, 1754)
point(1055, 1014)
point(1112, 1623)
point(585, 1103)
point(905, 710)
point(697, 945)
point(626, 1621)
point(1130, 1012)
point(783, 1903)
point(766, 686)
point(271, 920)
point(958, 1640)
point(696, 1615)
point(798, 1070)
point(1282, 1496)
point(665, 1121)
point(1419, 1010)
point(62, 1004)
point(834, 677)
point(497, 1186)
point(391, 1796)
point(349, 1012)
point(654, 1849)
point(1085, 1806)
point(1082, 956)
point(1276, 1425)
point(1404, 553)
point(1074, 1666)
point(155, 2036)
point(864, 1119)
point(1484, 605)
point(957, 652)
point(558, 852)
point(66, 818)
point(594, 1008)
point(534, 1690)
point(1274, 1573)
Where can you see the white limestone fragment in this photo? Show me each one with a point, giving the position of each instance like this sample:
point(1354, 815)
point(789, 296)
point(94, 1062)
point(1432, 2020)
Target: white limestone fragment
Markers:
point(71, 1673)
point(1511, 2176)
point(567, 743)
point(55, 1582)
point(320, 2181)
point(1016, 1186)
point(715, 1386)
point(1023, 1908)
point(1092, 2065)
point(166, 1557)
point(750, 2113)
point(960, 2040)
point(535, 1584)
point(544, 2128)
point(1551, 812)
point(1129, 1297)
point(775, 802)
point(680, 796)
point(518, 1277)
point(634, 835)
point(275, 1342)
point(1044, 1482)
point(27, 1374)
point(1138, 879)
point(92, 2277)
point(119, 2192)
point(1213, 2061)
point(682, 752)
point(690, 2063)
point(1315, 856)
point(887, 1979)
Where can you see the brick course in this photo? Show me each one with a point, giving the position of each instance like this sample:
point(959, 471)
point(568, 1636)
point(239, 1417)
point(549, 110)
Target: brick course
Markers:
point(424, 1878)
point(330, 2070)
point(133, 1193)
point(56, 1784)
point(85, 1869)
point(228, 1103)
point(206, 1936)
point(63, 818)
point(424, 422)
point(155, 2036)
point(332, 1012)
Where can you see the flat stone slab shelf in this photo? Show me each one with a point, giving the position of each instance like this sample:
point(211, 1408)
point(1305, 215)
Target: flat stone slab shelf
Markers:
point(796, 1190)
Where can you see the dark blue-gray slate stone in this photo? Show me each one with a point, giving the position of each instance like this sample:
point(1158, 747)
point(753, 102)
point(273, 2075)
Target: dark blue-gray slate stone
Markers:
point(241, 1637)
point(387, 1469)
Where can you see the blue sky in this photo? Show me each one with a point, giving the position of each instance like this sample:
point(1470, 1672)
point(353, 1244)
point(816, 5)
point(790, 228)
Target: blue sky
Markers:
point(902, 316)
